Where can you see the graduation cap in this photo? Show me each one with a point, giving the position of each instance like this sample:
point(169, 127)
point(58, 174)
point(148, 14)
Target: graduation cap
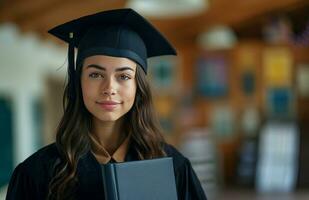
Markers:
point(119, 33)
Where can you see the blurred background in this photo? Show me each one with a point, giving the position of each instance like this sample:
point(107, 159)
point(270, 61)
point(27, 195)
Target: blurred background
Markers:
point(235, 100)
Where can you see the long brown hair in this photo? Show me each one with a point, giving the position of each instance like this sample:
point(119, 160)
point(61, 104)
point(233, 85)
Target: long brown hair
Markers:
point(72, 138)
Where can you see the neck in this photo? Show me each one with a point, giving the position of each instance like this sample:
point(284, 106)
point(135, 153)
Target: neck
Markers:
point(109, 134)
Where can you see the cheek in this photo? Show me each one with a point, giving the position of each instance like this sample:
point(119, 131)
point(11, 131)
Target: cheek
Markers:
point(87, 90)
point(129, 92)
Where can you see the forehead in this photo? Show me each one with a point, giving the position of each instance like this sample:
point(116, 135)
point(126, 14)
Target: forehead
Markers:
point(109, 62)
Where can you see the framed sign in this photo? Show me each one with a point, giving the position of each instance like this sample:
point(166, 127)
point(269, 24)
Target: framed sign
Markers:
point(211, 74)
point(280, 102)
point(163, 73)
point(277, 67)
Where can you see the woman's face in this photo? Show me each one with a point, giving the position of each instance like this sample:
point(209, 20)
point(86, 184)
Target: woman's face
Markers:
point(108, 86)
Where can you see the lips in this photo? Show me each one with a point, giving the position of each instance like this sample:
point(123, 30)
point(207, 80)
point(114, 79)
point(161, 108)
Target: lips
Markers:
point(108, 102)
point(108, 105)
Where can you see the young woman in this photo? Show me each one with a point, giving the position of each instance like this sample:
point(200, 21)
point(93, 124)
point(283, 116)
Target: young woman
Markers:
point(108, 112)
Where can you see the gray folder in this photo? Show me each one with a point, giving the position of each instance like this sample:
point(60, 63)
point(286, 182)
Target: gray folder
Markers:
point(140, 180)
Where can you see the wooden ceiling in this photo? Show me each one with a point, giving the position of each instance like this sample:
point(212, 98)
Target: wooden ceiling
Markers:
point(41, 15)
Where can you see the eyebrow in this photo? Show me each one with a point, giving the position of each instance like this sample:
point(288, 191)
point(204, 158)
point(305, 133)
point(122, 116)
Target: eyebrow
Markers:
point(104, 69)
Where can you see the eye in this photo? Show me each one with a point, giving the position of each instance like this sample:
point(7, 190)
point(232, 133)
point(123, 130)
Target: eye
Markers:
point(95, 75)
point(124, 77)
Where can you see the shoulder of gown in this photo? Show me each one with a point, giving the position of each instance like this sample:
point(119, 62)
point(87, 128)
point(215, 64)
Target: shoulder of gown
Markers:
point(30, 178)
point(188, 185)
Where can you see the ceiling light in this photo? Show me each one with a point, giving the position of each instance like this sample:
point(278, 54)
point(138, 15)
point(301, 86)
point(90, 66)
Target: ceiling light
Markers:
point(168, 8)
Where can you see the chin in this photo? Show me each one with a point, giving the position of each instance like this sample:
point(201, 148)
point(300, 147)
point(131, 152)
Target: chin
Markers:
point(108, 119)
point(108, 116)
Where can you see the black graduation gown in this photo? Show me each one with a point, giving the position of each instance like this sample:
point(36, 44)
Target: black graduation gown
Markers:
point(30, 178)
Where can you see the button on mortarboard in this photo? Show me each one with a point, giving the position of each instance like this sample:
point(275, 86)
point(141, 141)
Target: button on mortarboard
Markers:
point(120, 33)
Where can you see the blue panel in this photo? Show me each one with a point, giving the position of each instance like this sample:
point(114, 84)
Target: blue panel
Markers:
point(6, 141)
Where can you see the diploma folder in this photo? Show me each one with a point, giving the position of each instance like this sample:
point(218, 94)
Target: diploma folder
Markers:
point(152, 179)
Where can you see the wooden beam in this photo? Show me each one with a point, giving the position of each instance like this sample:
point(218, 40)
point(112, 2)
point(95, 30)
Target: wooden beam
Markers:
point(11, 11)
point(234, 12)
point(54, 12)
point(41, 15)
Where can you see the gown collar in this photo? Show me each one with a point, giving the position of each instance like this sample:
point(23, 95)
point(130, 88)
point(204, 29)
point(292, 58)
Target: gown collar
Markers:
point(101, 154)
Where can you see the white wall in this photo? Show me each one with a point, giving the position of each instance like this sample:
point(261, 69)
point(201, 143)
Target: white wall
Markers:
point(25, 62)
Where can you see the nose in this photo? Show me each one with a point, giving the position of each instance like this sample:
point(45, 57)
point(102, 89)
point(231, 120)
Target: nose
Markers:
point(109, 93)
point(108, 87)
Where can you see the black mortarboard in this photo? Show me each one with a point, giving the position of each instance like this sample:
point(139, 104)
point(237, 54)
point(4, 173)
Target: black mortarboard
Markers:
point(120, 33)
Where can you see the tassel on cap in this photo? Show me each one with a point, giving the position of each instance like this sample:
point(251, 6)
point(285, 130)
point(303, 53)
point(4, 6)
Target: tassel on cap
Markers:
point(71, 68)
